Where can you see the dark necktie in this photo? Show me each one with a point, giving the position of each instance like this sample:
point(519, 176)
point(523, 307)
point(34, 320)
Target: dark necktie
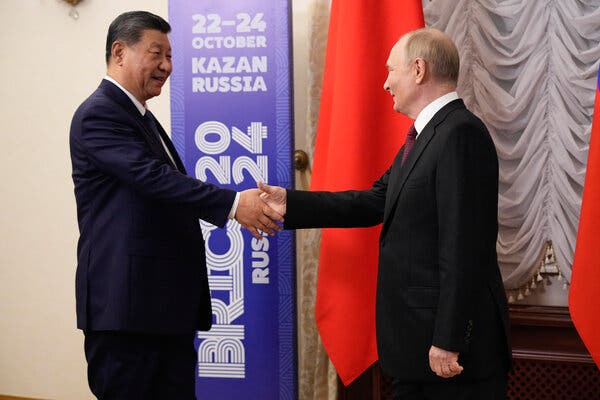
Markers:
point(151, 123)
point(409, 142)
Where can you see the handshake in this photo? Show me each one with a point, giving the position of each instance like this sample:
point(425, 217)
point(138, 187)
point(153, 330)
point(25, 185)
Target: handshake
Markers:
point(260, 209)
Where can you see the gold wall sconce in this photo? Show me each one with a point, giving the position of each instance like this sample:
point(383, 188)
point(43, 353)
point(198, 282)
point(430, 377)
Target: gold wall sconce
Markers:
point(73, 13)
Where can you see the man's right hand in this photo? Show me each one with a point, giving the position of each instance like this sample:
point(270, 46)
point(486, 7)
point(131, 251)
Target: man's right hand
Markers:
point(254, 215)
point(274, 196)
point(444, 363)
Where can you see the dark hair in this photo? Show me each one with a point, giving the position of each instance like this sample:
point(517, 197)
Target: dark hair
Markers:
point(130, 26)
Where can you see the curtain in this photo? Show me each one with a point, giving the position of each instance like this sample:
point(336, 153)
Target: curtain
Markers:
point(529, 71)
point(316, 375)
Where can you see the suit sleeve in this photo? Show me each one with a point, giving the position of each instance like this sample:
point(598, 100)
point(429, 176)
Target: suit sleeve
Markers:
point(347, 209)
point(467, 196)
point(117, 149)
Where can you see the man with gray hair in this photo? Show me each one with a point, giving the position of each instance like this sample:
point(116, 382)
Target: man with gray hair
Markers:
point(441, 313)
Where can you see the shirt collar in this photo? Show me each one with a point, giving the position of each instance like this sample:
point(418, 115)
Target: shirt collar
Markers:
point(431, 109)
point(135, 101)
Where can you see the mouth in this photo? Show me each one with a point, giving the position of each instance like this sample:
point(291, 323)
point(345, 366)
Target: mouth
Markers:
point(160, 79)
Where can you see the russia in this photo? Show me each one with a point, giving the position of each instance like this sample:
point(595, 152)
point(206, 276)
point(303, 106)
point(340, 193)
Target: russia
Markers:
point(224, 84)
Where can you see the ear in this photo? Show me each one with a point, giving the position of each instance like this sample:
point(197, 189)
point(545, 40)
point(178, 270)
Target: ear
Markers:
point(117, 52)
point(420, 68)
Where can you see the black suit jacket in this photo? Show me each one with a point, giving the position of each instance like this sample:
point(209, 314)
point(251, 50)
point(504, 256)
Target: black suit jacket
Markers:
point(140, 256)
point(438, 278)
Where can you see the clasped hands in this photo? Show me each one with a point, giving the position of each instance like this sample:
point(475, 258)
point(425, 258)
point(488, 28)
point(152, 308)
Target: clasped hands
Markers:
point(260, 210)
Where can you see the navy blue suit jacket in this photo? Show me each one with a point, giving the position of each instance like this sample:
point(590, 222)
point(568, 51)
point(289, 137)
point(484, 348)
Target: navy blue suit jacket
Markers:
point(140, 257)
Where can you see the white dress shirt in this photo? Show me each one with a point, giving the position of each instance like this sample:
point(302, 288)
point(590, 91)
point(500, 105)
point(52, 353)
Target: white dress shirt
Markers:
point(431, 109)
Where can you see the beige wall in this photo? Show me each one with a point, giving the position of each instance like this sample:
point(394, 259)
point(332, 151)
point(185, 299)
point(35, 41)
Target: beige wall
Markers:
point(50, 63)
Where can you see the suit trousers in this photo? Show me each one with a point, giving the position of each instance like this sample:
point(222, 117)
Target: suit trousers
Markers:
point(494, 388)
point(132, 366)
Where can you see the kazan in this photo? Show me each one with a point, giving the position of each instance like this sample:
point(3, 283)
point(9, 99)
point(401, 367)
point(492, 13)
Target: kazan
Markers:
point(229, 65)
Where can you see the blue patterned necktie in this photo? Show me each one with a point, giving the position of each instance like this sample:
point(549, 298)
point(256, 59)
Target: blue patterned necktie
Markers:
point(409, 142)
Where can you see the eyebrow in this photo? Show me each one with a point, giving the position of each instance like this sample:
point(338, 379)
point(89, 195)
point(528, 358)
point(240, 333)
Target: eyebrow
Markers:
point(159, 45)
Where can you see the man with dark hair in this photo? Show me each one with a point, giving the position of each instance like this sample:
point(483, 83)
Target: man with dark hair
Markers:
point(141, 283)
point(441, 314)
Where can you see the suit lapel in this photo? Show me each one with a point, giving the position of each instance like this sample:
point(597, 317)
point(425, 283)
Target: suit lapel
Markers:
point(147, 133)
point(394, 183)
point(400, 174)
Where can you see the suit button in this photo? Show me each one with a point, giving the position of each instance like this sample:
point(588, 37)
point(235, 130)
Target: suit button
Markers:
point(468, 329)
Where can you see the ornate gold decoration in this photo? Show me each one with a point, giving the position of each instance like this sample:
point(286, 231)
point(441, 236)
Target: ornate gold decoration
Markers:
point(301, 160)
point(548, 262)
point(547, 267)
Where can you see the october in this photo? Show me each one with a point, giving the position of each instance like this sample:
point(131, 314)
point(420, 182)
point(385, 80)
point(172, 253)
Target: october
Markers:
point(229, 42)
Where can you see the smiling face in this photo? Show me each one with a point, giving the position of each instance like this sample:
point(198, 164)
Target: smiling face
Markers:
point(144, 67)
point(400, 82)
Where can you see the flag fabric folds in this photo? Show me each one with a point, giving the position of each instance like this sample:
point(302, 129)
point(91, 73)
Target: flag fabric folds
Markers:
point(358, 136)
point(584, 293)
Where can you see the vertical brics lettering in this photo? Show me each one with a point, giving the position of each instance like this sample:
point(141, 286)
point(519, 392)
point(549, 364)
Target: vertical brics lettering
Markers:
point(221, 353)
point(260, 260)
point(213, 137)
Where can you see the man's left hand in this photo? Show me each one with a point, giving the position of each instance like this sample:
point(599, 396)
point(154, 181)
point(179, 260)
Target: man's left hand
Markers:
point(444, 363)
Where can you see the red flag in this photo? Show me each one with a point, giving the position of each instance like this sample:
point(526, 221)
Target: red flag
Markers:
point(584, 299)
point(358, 136)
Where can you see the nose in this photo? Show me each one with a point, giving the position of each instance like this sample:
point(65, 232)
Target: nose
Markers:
point(166, 65)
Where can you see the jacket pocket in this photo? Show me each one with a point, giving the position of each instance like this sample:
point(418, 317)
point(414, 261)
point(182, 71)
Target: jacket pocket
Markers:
point(422, 297)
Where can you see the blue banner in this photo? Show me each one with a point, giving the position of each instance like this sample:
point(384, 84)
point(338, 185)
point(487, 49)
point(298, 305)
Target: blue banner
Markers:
point(232, 124)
